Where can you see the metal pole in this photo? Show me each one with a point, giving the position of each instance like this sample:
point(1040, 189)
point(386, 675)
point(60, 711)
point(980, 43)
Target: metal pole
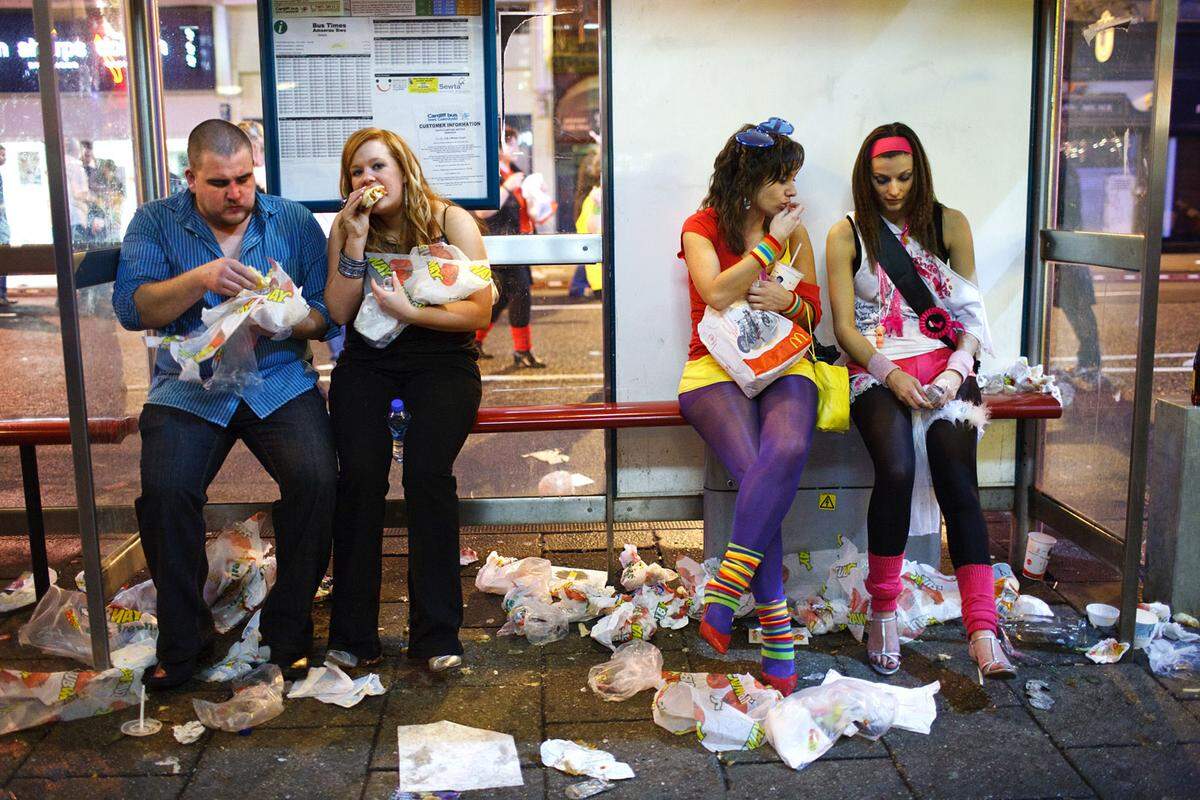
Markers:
point(1049, 33)
point(60, 218)
point(145, 99)
point(607, 295)
point(1143, 393)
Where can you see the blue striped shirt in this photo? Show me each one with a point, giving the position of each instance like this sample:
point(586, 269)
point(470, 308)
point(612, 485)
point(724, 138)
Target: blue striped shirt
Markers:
point(167, 238)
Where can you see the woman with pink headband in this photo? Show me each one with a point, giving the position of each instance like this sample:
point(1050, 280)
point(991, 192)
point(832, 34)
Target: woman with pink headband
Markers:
point(909, 315)
point(747, 223)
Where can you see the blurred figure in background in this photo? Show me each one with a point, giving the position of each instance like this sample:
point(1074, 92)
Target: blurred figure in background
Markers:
point(4, 234)
point(254, 132)
point(587, 280)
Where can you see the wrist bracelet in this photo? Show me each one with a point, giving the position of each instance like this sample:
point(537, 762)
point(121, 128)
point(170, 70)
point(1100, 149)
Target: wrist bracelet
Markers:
point(880, 366)
point(961, 362)
point(797, 304)
point(352, 268)
point(767, 251)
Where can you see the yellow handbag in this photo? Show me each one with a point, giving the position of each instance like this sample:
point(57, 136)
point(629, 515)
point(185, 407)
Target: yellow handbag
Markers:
point(833, 390)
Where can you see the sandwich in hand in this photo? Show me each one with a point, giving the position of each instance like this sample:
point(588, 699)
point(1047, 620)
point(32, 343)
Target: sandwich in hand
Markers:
point(374, 193)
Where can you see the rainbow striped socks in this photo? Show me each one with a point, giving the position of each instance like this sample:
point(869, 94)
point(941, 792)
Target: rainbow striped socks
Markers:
point(727, 586)
point(778, 647)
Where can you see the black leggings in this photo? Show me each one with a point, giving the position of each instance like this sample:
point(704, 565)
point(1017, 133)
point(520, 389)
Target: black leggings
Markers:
point(442, 393)
point(514, 284)
point(886, 427)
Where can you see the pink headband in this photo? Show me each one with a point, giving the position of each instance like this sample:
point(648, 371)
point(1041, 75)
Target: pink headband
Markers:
point(890, 144)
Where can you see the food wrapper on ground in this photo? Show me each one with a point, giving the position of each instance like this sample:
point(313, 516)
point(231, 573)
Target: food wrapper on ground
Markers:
point(803, 726)
point(431, 275)
point(582, 600)
point(540, 623)
point(275, 306)
point(1029, 606)
point(499, 573)
point(467, 556)
point(257, 698)
point(626, 622)
point(59, 625)
point(1173, 659)
point(1184, 618)
point(446, 756)
point(28, 699)
point(915, 707)
point(668, 607)
point(21, 592)
point(245, 654)
point(240, 572)
point(188, 732)
point(1176, 632)
point(694, 577)
point(635, 666)
point(725, 711)
point(140, 597)
point(635, 572)
point(576, 759)
point(330, 685)
point(1107, 651)
point(525, 589)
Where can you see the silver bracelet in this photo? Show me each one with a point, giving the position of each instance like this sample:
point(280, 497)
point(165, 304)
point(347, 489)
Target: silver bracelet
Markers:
point(352, 268)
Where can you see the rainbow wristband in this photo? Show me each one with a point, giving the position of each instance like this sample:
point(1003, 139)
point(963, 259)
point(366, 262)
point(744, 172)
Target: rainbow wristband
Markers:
point(767, 251)
point(797, 304)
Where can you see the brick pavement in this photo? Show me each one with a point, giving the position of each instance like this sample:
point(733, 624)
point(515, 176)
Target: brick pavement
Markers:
point(1115, 731)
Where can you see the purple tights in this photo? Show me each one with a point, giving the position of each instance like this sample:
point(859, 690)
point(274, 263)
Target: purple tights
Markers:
point(763, 442)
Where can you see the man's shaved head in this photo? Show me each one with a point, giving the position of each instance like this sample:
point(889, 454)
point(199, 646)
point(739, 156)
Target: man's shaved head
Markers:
point(218, 137)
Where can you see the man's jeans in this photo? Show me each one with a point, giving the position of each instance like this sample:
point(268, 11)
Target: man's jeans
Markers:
point(181, 454)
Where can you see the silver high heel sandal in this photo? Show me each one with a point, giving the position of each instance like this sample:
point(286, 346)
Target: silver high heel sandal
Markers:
point(882, 660)
point(443, 663)
point(995, 664)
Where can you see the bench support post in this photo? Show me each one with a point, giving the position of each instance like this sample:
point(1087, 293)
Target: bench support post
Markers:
point(39, 562)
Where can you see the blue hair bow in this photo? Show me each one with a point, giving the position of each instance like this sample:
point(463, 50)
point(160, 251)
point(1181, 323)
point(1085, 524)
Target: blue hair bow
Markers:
point(760, 134)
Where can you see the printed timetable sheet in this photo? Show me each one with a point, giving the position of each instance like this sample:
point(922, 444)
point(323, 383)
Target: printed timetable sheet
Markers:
point(416, 68)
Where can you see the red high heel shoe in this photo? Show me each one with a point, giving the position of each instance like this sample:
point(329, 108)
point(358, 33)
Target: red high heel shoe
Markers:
point(785, 685)
point(718, 640)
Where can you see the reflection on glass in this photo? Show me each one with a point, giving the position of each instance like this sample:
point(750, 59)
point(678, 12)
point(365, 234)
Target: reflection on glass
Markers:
point(1092, 346)
point(1107, 98)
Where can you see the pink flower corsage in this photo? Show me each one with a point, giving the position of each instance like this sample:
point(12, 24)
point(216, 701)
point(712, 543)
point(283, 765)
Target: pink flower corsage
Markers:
point(935, 322)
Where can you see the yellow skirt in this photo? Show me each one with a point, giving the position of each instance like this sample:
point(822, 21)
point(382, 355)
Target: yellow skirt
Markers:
point(705, 371)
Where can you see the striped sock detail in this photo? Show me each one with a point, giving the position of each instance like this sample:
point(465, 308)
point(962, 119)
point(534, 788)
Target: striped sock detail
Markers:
point(732, 578)
point(777, 642)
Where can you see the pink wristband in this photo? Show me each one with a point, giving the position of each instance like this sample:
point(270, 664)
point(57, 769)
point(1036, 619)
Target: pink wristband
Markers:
point(880, 366)
point(961, 362)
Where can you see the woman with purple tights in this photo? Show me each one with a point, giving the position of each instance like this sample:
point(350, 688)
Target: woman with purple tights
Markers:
point(748, 221)
point(913, 397)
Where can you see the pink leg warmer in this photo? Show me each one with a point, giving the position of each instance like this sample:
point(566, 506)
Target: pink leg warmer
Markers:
point(883, 581)
point(975, 584)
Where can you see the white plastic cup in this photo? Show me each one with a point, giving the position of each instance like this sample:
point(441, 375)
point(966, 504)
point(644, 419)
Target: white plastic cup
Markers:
point(1143, 628)
point(1037, 555)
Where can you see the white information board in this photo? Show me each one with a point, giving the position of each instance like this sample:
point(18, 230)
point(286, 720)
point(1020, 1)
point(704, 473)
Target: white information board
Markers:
point(424, 69)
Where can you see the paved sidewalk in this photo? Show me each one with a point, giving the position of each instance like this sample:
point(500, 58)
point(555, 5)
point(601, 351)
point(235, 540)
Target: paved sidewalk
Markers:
point(1114, 731)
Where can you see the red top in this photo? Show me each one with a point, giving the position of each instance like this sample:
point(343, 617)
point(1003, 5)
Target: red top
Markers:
point(704, 222)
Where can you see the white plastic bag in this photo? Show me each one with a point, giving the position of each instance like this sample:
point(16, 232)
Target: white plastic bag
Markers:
point(59, 626)
point(540, 623)
point(668, 607)
point(499, 573)
point(257, 698)
point(330, 685)
point(1173, 659)
point(753, 347)
point(725, 711)
point(431, 275)
point(635, 666)
point(240, 572)
point(635, 572)
point(243, 656)
point(803, 726)
point(625, 622)
point(28, 699)
point(582, 600)
point(21, 592)
point(915, 707)
point(275, 306)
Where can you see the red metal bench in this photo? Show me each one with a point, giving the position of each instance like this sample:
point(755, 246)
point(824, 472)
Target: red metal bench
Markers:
point(28, 434)
point(663, 413)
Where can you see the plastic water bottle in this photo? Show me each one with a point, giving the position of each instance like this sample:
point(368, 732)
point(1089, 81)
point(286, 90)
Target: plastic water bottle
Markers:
point(398, 420)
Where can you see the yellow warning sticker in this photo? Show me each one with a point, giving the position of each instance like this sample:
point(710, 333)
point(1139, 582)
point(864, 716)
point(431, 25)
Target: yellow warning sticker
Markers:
point(827, 502)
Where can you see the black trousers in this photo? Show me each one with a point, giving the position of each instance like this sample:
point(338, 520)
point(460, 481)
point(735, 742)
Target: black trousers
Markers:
point(886, 427)
point(181, 454)
point(442, 393)
point(515, 285)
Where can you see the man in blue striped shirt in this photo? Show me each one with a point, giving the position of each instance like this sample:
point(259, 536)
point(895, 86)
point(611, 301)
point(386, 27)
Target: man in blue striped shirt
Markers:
point(181, 255)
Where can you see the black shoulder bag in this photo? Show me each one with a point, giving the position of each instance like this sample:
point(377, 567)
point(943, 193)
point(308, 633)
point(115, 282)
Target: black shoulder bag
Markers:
point(898, 265)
